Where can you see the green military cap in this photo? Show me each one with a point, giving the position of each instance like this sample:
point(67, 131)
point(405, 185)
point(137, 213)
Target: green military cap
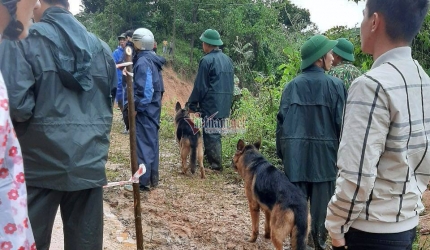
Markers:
point(211, 37)
point(314, 48)
point(344, 49)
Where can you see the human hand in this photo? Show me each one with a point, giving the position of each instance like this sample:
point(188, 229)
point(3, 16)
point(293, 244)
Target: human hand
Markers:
point(338, 244)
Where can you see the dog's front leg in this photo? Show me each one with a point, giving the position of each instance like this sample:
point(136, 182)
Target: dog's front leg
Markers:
point(267, 224)
point(254, 208)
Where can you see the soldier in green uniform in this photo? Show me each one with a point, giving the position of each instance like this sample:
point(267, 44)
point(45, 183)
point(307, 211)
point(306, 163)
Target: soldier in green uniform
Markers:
point(343, 54)
point(212, 94)
point(308, 130)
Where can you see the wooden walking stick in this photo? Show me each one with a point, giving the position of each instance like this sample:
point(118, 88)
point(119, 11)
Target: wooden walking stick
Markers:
point(133, 147)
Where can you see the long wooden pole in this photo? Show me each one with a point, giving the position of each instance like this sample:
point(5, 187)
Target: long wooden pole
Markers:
point(133, 148)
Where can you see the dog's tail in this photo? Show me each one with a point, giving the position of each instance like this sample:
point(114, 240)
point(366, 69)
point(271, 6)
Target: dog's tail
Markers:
point(193, 156)
point(301, 228)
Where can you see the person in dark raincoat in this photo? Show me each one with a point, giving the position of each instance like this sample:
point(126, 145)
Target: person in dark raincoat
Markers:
point(308, 130)
point(61, 105)
point(148, 91)
point(15, 227)
point(212, 95)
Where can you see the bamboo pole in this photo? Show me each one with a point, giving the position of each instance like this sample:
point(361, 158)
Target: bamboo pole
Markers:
point(133, 148)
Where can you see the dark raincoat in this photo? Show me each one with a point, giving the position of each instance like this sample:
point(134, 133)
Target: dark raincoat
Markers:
point(61, 99)
point(148, 90)
point(307, 139)
point(309, 124)
point(212, 96)
point(213, 86)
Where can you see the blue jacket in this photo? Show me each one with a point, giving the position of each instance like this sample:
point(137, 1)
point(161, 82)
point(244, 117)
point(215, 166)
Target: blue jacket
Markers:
point(118, 57)
point(148, 84)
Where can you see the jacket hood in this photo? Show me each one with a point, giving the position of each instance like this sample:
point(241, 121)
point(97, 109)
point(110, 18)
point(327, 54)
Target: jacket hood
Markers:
point(159, 61)
point(71, 45)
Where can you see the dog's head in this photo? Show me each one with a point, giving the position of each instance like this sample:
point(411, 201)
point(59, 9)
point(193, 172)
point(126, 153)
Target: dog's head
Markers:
point(238, 162)
point(180, 112)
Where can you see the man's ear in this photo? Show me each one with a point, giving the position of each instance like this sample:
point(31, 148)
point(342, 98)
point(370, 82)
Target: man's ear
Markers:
point(377, 20)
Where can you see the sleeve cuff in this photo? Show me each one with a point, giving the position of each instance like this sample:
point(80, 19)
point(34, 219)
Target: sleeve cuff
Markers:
point(336, 236)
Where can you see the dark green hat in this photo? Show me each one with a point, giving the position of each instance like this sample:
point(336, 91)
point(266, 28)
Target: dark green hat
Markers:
point(315, 48)
point(122, 36)
point(344, 49)
point(211, 37)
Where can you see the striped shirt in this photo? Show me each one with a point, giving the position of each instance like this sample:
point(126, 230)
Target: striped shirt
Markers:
point(383, 162)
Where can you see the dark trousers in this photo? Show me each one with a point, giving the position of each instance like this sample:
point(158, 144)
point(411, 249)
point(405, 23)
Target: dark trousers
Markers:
point(213, 150)
point(147, 149)
point(81, 212)
point(359, 240)
point(318, 194)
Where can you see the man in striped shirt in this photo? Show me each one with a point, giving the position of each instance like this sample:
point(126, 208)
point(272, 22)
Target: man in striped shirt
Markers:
point(383, 162)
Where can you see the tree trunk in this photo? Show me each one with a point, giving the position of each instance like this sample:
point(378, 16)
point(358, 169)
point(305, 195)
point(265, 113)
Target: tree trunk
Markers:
point(194, 20)
point(174, 33)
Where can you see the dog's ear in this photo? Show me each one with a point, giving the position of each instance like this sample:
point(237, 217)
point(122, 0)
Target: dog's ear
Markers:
point(178, 106)
point(240, 145)
point(258, 144)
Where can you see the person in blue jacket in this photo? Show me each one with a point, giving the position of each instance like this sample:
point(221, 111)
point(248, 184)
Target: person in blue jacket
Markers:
point(148, 91)
point(118, 56)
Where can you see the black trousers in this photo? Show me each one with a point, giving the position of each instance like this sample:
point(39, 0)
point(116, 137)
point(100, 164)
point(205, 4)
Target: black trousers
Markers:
point(81, 212)
point(318, 194)
point(359, 240)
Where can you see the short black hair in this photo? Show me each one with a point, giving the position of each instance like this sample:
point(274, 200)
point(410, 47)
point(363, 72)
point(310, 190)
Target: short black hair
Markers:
point(403, 17)
point(64, 3)
point(129, 33)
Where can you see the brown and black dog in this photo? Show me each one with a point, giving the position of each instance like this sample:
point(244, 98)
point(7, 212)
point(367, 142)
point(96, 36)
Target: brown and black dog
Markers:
point(269, 189)
point(190, 141)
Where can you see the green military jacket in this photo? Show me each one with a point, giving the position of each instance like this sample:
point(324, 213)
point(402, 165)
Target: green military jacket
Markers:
point(61, 82)
point(213, 86)
point(345, 71)
point(309, 124)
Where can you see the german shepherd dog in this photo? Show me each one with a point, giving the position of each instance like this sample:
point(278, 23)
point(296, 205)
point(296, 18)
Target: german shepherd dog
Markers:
point(268, 188)
point(190, 141)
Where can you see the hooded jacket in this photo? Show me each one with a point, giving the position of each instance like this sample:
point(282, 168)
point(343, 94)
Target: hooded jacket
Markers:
point(148, 84)
point(213, 87)
point(309, 124)
point(61, 102)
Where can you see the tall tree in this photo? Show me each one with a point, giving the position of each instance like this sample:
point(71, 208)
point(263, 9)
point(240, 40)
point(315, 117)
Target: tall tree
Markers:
point(93, 6)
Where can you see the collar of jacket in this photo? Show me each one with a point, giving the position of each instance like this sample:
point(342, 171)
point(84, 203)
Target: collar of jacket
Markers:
point(214, 51)
point(313, 68)
point(400, 53)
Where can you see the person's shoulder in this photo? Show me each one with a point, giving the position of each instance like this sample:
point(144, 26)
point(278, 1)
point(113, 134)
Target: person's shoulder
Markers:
point(334, 79)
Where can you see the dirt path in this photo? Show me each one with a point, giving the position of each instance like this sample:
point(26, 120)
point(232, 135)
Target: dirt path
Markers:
point(184, 212)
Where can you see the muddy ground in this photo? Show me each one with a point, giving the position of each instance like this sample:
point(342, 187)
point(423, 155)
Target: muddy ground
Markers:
point(184, 212)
